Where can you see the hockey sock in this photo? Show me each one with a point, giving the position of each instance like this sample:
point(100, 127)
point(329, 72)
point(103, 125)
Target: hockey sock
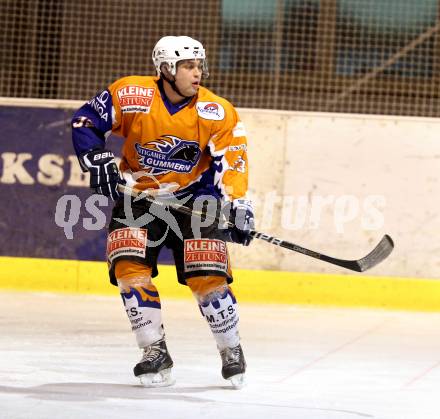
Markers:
point(142, 304)
point(220, 310)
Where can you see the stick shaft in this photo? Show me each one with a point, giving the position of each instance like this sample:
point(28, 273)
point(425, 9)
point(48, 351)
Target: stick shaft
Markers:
point(377, 255)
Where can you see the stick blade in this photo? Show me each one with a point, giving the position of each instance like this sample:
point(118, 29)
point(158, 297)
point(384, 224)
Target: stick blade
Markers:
point(377, 255)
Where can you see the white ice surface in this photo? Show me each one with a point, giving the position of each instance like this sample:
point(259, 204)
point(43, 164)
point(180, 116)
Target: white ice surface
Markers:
point(64, 356)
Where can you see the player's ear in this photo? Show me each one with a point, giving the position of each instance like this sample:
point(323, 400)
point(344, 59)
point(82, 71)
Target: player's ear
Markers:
point(165, 69)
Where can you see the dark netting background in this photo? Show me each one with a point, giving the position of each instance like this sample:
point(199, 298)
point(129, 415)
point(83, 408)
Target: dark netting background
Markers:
point(361, 56)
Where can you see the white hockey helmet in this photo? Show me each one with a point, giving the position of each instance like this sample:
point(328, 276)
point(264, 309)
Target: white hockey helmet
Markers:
point(172, 49)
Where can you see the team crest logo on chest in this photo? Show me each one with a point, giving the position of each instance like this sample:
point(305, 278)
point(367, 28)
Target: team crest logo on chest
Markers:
point(168, 154)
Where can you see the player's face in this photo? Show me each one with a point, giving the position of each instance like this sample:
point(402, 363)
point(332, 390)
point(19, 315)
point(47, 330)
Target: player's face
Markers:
point(188, 76)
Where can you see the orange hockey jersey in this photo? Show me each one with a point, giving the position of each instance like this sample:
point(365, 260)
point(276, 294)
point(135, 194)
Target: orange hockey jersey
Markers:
point(202, 148)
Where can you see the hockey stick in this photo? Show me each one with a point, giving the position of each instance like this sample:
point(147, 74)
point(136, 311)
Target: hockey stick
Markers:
point(377, 255)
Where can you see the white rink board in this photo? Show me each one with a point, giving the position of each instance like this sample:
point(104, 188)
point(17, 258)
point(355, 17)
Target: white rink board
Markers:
point(354, 162)
point(346, 159)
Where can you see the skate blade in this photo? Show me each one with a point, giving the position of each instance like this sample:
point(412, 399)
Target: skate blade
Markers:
point(160, 379)
point(237, 381)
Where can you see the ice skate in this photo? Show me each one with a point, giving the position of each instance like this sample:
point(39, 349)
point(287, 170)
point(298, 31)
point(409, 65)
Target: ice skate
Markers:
point(154, 369)
point(233, 366)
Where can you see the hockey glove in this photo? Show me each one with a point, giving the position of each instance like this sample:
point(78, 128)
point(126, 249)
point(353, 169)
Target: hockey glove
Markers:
point(240, 213)
point(104, 173)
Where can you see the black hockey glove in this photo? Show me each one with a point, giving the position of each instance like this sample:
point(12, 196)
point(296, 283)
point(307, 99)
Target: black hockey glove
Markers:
point(104, 173)
point(240, 213)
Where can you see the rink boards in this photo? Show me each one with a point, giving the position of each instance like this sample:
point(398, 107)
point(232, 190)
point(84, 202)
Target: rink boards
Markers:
point(359, 160)
point(257, 286)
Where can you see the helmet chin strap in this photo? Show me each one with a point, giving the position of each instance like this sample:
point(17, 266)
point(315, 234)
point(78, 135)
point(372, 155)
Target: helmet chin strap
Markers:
point(174, 87)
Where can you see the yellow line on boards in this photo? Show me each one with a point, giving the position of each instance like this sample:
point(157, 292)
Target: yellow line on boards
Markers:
point(256, 286)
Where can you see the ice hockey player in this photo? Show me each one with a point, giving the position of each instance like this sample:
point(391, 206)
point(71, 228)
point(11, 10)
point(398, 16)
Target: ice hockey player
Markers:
point(186, 144)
